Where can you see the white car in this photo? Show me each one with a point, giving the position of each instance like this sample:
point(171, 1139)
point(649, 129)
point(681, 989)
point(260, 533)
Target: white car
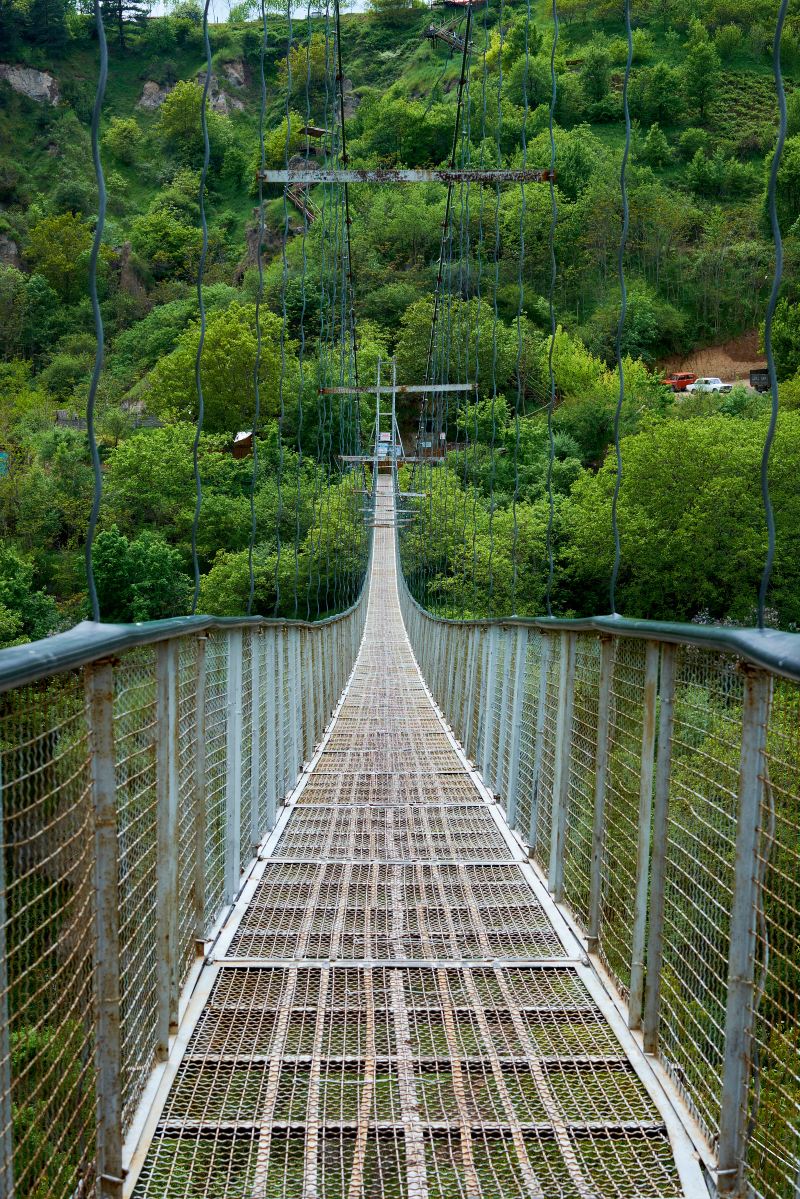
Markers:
point(709, 383)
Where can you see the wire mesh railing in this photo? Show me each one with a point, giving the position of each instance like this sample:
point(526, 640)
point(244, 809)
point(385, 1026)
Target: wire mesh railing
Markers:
point(140, 768)
point(653, 771)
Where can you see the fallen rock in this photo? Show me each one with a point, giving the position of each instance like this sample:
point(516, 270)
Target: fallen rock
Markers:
point(235, 72)
point(224, 104)
point(153, 95)
point(9, 252)
point(351, 100)
point(40, 86)
point(129, 280)
point(218, 100)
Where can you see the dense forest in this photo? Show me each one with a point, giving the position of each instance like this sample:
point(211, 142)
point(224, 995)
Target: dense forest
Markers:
point(699, 264)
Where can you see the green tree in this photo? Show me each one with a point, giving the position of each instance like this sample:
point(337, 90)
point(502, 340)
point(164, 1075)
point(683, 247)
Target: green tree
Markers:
point(489, 347)
point(788, 186)
point(229, 355)
point(786, 339)
point(306, 67)
point(10, 628)
point(58, 246)
point(728, 40)
point(122, 15)
point(655, 149)
point(691, 522)
point(13, 305)
point(655, 94)
point(179, 125)
point(179, 115)
point(139, 579)
point(595, 72)
point(701, 76)
point(32, 612)
point(168, 245)
point(122, 138)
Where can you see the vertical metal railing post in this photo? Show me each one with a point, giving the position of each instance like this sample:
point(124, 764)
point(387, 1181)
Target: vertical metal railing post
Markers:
point(636, 991)
point(463, 682)
point(295, 705)
point(280, 699)
point(199, 880)
point(6, 1111)
point(538, 740)
point(736, 1070)
point(658, 865)
point(233, 781)
point(471, 682)
point(108, 1038)
point(167, 982)
point(607, 650)
point(307, 677)
point(498, 784)
point(563, 752)
point(256, 822)
point(511, 756)
point(490, 682)
point(270, 728)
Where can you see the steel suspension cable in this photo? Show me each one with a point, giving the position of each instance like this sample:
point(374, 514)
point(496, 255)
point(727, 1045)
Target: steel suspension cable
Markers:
point(344, 158)
point(201, 270)
point(284, 316)
point(449, 200)
point(97, 475)
point(259, 298)
point(495, 316)
point(770, 314)
point(551, 399)
point(520, 301)
point(623, 187)
point(302, 344)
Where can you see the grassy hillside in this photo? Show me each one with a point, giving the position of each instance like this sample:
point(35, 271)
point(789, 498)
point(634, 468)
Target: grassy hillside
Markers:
point(699, 263)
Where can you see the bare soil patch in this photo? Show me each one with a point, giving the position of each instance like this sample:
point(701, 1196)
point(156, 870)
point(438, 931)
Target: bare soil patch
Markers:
point(729, 360)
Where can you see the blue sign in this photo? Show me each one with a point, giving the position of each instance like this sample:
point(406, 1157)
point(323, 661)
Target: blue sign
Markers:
point(3, 463)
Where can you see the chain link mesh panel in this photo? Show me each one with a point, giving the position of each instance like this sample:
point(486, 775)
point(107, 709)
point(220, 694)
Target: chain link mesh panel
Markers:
point(699, 852)
point(582, 767)
point(49, 1118)
point(774, 1149)
point(135, 728)
point(47, 1087)
point(188, 802)
point(701, 845)
point(620, 837)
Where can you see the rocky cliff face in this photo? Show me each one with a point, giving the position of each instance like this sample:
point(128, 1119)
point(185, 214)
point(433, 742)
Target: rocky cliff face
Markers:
point(40, 86)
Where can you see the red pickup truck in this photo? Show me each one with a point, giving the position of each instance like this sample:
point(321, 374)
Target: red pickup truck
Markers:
point(679, 382)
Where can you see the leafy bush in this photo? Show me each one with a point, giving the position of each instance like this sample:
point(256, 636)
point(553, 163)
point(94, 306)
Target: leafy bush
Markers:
point(122, 138)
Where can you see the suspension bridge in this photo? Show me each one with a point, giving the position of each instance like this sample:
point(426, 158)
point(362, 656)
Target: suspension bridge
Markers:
point(392, 905)
point(383, 903)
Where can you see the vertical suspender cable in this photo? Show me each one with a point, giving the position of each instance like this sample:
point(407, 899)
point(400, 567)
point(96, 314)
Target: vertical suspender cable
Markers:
point(520, 300)
point(623, 187)
point(768, 835)
point(551, 398)
point(302, 347)
point(98, 318)
point(259, 297)
point(448, 203)
point(201, 305)
point(495, 317)
point(773, 299)
point(347, 221)
point(284, 317)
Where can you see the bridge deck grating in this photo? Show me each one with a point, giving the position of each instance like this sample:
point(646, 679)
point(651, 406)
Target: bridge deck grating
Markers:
point(367, 1032)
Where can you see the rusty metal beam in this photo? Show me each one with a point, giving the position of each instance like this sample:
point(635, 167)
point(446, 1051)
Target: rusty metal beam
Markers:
point(399, 389)
point(312, 175)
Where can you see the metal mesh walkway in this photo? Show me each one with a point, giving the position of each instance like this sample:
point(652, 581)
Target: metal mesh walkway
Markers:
point(397, 1009)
